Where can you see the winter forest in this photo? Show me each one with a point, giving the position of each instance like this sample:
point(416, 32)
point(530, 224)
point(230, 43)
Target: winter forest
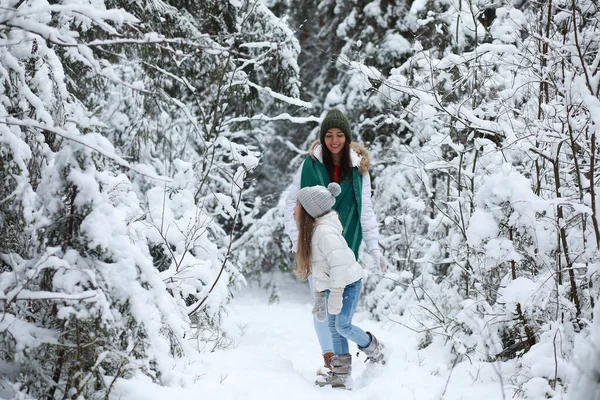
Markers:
point(146, 148)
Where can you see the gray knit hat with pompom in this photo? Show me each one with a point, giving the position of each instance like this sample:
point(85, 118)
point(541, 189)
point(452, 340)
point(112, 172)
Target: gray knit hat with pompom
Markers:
point(318, 200)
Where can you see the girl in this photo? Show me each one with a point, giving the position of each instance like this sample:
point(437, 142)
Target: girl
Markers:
point(334, 157)
point(337, 279)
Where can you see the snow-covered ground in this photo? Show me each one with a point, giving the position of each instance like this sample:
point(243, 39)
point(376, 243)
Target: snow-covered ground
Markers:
point(275, 355)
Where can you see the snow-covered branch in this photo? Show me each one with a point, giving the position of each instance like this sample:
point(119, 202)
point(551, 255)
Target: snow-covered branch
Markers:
point(92, 141)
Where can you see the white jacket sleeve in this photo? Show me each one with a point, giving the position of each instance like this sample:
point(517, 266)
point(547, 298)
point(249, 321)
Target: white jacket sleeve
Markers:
point(339, 258)
point(368, 220)
point(291, 229)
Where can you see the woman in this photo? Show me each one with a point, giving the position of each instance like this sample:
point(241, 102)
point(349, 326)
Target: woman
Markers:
point(337, 279)
point(335, 158)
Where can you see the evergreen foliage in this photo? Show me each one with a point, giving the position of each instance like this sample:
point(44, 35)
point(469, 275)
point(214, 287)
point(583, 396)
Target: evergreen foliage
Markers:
point(125, 158)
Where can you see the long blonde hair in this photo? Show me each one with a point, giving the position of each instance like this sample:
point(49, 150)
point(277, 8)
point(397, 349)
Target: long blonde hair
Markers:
point(303, 255)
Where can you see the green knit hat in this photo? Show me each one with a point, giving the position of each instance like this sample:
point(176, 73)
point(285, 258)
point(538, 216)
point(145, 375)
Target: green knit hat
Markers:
point(336, 119)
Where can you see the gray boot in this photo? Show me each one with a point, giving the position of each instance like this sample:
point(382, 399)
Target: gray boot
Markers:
point(341, 373)
point(374, 350)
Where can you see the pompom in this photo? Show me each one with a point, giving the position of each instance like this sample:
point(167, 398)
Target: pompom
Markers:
point(334, 189)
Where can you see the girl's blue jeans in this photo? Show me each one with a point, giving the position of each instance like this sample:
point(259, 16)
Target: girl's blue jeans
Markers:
point(340, 325)
point(333, 333)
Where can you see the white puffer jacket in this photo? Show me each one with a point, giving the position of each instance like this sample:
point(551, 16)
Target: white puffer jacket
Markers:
point(332, 260)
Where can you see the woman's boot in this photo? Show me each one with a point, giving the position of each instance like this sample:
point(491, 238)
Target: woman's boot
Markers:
point(374, 350)
point(341, 373)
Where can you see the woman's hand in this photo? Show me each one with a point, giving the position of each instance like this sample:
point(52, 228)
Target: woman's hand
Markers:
point(380, 261)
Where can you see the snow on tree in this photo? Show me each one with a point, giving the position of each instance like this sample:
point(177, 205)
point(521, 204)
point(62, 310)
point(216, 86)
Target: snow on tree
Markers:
point(126, 153)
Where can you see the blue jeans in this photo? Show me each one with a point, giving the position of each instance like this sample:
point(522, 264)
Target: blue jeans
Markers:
point(322, 328)
point(340, 325)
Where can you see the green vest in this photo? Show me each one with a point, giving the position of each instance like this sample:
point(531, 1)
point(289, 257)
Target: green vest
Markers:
point(348, 204)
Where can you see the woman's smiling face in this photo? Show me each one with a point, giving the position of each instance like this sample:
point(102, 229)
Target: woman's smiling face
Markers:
point(335, 140)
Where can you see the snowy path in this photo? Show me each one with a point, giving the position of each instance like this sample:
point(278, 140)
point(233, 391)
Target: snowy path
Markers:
point(276, 354)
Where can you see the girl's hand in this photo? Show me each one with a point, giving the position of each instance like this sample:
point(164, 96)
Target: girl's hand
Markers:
point(319, 308)
point(334, 305)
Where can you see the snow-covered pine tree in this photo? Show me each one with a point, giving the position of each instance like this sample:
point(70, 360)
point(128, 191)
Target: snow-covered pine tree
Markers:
point(69, 322)
point(108, 266)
